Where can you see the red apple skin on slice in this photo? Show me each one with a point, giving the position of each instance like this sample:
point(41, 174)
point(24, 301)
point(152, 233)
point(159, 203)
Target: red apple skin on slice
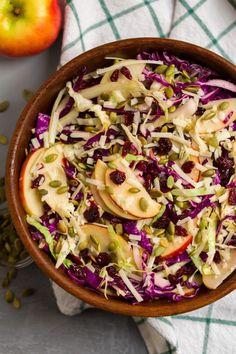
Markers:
point(29, 196)
point(177, 246)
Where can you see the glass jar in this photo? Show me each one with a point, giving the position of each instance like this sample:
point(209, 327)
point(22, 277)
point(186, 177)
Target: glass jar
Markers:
point(12, 250)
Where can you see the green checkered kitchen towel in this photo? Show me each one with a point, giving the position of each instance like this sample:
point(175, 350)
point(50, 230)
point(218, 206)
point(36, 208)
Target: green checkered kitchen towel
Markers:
point(211, 24)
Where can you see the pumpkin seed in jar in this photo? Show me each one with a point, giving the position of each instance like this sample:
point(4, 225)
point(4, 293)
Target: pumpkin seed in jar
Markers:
point(16, 303)
point(4, 106)
point(9, 296)
point(28, 292)
point(3, 139)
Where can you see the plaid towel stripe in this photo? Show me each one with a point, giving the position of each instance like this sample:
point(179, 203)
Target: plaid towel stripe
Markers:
point(211, 24)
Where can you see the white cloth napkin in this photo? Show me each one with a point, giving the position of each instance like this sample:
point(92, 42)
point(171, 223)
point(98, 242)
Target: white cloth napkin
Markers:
point(211, 24)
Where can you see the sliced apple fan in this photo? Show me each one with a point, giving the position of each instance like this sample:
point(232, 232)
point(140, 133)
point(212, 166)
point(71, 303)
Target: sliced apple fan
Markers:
point(130, 182)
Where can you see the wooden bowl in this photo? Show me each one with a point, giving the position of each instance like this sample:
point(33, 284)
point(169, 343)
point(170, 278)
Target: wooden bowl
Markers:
point(42, 102)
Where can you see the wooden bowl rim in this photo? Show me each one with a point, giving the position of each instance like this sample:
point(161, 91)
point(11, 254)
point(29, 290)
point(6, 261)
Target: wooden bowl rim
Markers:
point(154, 308)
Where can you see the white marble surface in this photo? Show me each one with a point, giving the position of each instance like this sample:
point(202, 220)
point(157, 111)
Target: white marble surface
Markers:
point(38, 327)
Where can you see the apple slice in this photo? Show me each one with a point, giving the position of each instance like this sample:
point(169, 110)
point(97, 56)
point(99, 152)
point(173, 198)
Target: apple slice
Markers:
point(225, 268)
point(177, 246)
point(29, 196)
point(99, 174)
point(54, 171)
point(130, 202)
point(102, 236)
point(215, 124)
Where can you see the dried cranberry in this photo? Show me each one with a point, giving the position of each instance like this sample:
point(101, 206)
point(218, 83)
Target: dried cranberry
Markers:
point(114, 76)
point(180, 231)
point(152, 169)
point(225, 168)
point(142, 166)
point(92, 214)
point(128, 148)
point(232, 196)
point(162, 223)
point(163, 186)
point(128, 119)
point(38, 181)
point(126, 72)
point(217, 257)
point(147, 181)
point(117, 177)
point(103, 259)
point(164, 146)
point(85, 254)
point(112, 271)
point(188, 166)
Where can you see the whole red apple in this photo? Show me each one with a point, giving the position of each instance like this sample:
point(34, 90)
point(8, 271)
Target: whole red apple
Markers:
point(28, 27)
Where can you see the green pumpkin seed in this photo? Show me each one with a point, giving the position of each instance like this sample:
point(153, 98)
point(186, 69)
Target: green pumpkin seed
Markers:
point(223, 106)
point(182, 205)
point(163, 161)
point(208, 173)
point(134, 190)
point(170, 70)
point(159, 232)
point(119, 229)
point(155, 194)
point(198, 237)
point(74, 183)
point(169, 92)
point(112, 246)
point(62, 190)
point(109, 190)
point(82, 245)
point(143, 140)
point(185, 74)
point(148, 229)
point(58, 246)
point(4, 106)
point(170, 238)
point(82, 165)
point(113, 117)
point(61, 227)
point(193, 89)
point(43, 192)
point(171, 228)
point(5, 282)
point(16, 303)
point(213, 141)
point(3, 139)
point(188, 128)
point(28, 292)
point(27, 94)
point(158, 251)
point(55, 184)
point(9, 295)
point(209, 115)
point(71, 232)
point(160, 69)
point(174, 156)
point(11, 274)
point(143, 204)
point(51, 158)
point(164, 242)
point(170, 182)
point(172, 109)
point(116, 148)
point(164, 129)
point(8, 247)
